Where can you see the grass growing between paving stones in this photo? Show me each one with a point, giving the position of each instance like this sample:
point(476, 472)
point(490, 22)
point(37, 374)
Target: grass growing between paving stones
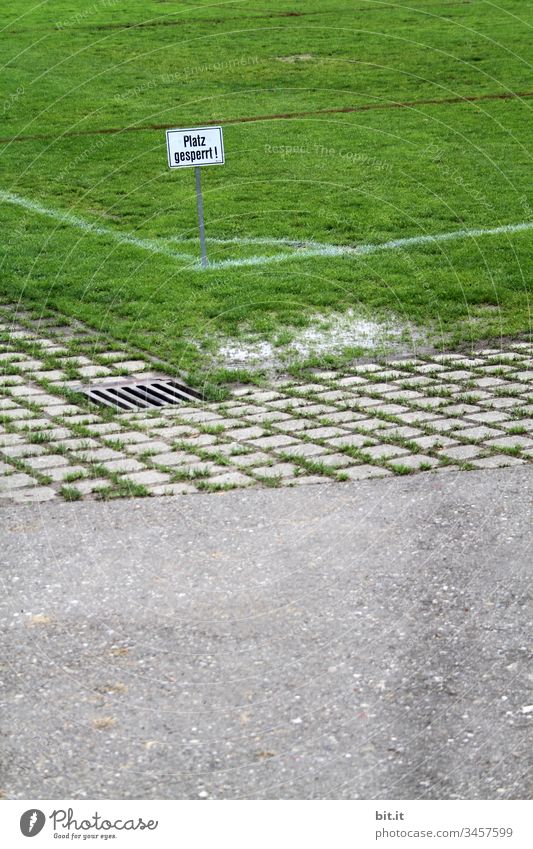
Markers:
point(342, 179)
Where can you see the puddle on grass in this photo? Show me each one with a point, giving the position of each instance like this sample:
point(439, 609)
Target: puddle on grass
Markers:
point(326, 336)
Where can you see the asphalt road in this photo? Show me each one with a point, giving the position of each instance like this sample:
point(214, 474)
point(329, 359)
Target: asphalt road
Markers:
point(363, 640)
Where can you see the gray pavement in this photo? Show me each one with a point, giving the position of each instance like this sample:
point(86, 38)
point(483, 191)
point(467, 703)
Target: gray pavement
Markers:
point(350, 640)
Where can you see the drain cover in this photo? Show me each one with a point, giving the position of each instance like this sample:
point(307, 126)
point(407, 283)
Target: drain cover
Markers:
point(140, 394)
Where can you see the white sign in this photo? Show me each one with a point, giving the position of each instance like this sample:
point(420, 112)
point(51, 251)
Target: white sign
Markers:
point(195, 147)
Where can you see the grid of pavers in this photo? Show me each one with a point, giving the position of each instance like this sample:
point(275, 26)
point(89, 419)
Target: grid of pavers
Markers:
point(434, 413)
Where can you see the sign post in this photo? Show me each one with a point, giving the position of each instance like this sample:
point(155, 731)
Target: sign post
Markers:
point(195, 148)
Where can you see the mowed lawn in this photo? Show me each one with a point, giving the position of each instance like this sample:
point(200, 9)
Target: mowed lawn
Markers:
point(346, 122)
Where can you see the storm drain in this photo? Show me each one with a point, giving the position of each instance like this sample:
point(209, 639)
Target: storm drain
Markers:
point(141, 395)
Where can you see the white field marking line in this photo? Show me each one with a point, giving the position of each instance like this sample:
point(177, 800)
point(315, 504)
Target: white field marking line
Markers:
point(153, 245)
point(301, 250)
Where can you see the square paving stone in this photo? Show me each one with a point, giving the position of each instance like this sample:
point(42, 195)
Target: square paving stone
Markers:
point(148, 446)
point(335, 461)
point(302, 449)
point(277, 441)
point(22, 450)
point(414, 461)
point(511, 441)
point(174, 489)
point(98, 455)
point(174, 458)
point(382, 452)
point(294, 425)
point(47, 461)
point(480, 432)
point(15, 481)
point(489, 417)
point(149, 476)
point(62, 472)
point(325, 432)
point(127, 464)
point(497, 461)
point(363, 471)
point(231, 479)
point(282, 470)
point(402, 431)
point(257, 458)
point(461, 452)
point(34, 494)
point(434, 441)
point(89, 485)
point(352, 440)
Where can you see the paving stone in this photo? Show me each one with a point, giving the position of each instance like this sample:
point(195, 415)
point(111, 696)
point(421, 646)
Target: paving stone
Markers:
point(434, 441)
point(501, 403)
point(429, 368)
point(190, 442)
point(62, 472)
point(5, 467)
point(256, 459)
point(488, 382)
point(404, 395)
point(382, 452)
point(343, 416)
point(302, 449)
point(89, 485)
point(460, 410)
point(480, 432)
point(22, 450)
point(176, 431)
point(351, 440)
point(16, 414)
point(363, 402)
point(15, 481)
point(174, 458)
point(231, 479)
point(432, 402)
point(316, 410)
point(363, 471)
point(462, 452)
point(53, 375)
point(496, 461)
point(114, 355)
point(402, 431)
point(11, 439)
point(332, 395)
point(47, 461)
point(33, 494)
point(457, 374)
point(79, 443)
point(68, 410)
point(276, 441)
point(127, 464)
point(287, 402)
point(335, 461)
point(417, 416)
point(93, 371)
point(511, 441)
point(263, 396)
point(294, 425)
point(98, 455)
point(83, 418)
point(130, 365)
point(325, 432)
point(282, 470)
point(527, 424)
point(489, 417)
point(173, 489)
point(444, 425)
point(244, 434)
point(152, 446)
point(148, 476)
point(303, 480)
point(269, 416)
point(104, 427)
point(414, 461)
point(352, 380)
point(371, 425)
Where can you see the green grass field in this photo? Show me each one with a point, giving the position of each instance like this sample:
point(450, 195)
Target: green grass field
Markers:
point(434, 138)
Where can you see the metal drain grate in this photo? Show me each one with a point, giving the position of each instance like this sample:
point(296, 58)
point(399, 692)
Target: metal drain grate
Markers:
point(140, 395)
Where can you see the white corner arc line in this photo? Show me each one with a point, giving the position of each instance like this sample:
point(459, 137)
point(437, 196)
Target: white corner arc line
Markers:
point(294, 249)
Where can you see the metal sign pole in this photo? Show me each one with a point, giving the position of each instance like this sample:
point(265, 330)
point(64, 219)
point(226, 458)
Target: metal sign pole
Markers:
point(200, 205)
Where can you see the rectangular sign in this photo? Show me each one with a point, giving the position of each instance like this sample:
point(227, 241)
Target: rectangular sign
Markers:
point(195, 147)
